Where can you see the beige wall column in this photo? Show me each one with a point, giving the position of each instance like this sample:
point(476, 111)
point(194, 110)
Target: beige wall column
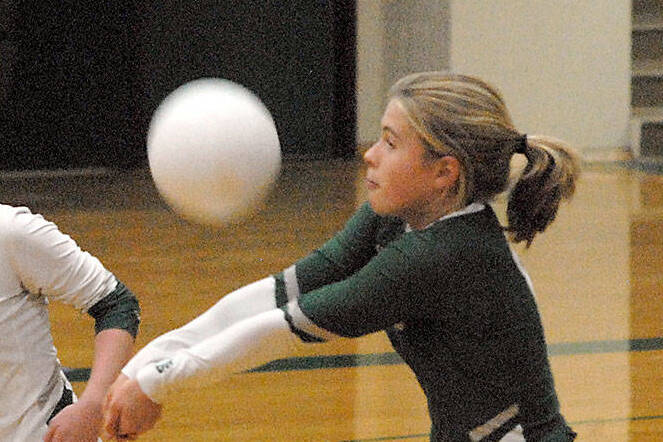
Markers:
point(563, 66)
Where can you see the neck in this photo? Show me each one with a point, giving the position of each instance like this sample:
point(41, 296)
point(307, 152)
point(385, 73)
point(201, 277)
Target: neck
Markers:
point(470, 208)
point(424, 218)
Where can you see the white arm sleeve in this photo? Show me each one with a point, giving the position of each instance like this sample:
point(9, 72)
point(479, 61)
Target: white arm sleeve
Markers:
point(244, 345)
point(243, 303)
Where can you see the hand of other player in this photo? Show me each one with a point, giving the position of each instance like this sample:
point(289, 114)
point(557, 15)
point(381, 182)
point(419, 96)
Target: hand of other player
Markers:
point(80, 421)
point(128, 411)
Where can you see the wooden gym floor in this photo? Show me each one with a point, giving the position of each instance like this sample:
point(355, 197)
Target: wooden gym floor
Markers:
point(597, 273)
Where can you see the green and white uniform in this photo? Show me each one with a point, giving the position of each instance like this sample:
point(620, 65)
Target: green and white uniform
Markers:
point(456, 305)
point(453, 299)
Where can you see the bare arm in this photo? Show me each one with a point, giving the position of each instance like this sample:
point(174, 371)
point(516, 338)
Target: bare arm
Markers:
point(112, 349)
point(82, 420)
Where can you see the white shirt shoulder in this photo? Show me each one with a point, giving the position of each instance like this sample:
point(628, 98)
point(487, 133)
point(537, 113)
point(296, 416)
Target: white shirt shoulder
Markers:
point(45, 261)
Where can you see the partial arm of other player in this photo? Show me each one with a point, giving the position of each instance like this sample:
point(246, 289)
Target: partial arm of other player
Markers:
point(83, 419)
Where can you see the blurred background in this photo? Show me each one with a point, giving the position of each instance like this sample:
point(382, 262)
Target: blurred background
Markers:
point(79, 81)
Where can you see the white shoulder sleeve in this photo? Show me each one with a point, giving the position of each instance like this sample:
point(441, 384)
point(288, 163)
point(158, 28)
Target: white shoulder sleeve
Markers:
point(49, 262)
point(244, 345)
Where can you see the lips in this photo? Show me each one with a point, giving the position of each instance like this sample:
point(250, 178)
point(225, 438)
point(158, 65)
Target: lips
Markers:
point(370, 184)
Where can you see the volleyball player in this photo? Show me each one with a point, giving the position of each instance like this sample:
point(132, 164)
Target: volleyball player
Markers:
point(425, 259)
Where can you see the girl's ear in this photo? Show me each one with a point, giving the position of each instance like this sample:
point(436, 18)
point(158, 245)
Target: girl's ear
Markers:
point(447, 172)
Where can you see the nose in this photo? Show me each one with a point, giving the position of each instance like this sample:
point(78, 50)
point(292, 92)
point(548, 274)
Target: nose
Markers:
point(369, 155)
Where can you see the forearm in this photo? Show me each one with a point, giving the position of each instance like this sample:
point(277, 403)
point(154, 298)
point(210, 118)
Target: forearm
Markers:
point(244, 345)
point(245, 302)
point(112, 349)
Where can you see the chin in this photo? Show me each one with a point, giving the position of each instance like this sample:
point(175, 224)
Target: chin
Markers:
point(380, 209)
point(374, 206)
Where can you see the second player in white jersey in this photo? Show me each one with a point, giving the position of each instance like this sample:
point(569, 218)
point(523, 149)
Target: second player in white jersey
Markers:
point(39, 264)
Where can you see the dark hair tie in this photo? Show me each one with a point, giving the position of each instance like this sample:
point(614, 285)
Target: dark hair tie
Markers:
point(522, 145)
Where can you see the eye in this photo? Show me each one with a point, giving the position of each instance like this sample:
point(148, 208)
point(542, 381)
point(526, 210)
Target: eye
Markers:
point(389, 140)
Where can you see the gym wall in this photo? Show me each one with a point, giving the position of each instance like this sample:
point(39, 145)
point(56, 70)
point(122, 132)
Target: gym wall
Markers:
point(80, 82)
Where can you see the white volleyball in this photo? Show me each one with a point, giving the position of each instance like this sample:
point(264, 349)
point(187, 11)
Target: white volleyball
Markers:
point(213, 150)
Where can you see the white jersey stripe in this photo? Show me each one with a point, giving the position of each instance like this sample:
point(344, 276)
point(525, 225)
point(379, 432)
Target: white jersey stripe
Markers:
point(291, 286)
point(483, 431)
point(301, 322)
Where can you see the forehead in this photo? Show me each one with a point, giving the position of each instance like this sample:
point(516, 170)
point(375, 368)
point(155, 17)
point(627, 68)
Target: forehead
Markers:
point(395, 118)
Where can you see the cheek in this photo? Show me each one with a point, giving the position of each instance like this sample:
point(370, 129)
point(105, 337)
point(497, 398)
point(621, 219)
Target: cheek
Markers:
point(400, 190)
point(407, 179)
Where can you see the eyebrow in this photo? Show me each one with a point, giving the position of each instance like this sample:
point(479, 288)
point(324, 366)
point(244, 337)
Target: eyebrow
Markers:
point(391, 131)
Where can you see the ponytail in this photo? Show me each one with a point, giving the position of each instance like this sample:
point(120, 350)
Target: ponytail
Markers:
point(550, 176)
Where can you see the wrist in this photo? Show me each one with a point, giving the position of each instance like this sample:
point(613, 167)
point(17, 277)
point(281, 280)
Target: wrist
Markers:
point(152, 380)
point(92, 401)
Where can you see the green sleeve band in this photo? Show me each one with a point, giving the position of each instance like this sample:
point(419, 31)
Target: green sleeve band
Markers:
point(281, 296)
point(119, 309)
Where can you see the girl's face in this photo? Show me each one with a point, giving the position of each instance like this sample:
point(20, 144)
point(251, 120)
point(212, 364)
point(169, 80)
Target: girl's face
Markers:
point(400, 181)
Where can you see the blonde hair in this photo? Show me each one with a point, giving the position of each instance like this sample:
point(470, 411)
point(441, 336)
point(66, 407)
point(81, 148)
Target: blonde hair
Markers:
point(467, 118)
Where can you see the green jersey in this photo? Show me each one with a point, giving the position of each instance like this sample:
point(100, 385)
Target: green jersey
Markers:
point(457, 307)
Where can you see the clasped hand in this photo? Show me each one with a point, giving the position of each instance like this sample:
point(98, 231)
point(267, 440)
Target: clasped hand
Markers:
point(79, 421)
point(128, 412)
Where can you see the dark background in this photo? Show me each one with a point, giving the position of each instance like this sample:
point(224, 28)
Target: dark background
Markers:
point(81, 81)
